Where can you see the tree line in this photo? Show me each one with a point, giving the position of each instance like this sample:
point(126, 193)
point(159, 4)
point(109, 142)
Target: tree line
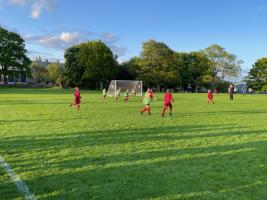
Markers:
point(92, 64)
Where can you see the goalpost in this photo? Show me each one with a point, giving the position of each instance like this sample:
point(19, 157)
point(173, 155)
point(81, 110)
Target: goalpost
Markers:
point(135, 87)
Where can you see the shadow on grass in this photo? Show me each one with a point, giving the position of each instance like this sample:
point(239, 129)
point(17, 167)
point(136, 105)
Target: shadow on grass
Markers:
point(234, 112)
point(37, 102)
point(228, 167)
point(116, 136)
point(168, 173)
point(8, 189)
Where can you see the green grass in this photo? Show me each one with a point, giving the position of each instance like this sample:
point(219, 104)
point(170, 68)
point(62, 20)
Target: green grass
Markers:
point(107, 150)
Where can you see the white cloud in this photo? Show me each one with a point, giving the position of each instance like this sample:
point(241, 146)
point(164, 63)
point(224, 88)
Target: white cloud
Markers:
point(63, 40)
point(37, 6)
point(59, 41)
point(69, 37)
point(36, 9)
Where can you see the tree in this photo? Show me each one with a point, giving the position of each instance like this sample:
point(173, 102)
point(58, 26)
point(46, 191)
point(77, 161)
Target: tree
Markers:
point(124, 72)
point(12, 54)
point(90, 62)
point(257, 76)
point(155, 64)
point(198, 66)
point(223, 64)
point(192, 67)
point(99, 62)
point(73, 69)
point(55, 73)
point(39, 73)
point(181, 66)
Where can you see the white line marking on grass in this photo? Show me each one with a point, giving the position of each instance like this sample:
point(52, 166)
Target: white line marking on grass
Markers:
point(22, 187)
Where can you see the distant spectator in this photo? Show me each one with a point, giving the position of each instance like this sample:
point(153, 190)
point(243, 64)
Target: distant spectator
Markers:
point(231, 92)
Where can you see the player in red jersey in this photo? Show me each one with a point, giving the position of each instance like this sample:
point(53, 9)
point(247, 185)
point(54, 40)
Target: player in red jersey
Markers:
point(77, 98)
point(168, 100)
point(210, 97)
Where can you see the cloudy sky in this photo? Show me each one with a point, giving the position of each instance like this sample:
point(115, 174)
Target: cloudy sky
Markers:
point(50, 26)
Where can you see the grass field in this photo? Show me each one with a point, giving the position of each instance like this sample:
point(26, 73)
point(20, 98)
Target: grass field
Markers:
point(107, 150)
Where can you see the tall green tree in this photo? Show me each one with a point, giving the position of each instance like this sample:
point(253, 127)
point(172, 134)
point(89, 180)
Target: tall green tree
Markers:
point(223, 64)
point(12, 54)
point(99, 62)
point(198, 66)
point(73, 69)
point(124, 71)
point(181, 66)
point(156, 63)
point(90, 62)
point(192, 67)
point(257, 77)
point(133, 67)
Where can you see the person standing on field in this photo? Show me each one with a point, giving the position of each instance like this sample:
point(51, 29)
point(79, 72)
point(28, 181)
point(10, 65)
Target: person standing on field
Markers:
point(117, 94)
point(104, 92)
point(147, 101)
point(168, 100)
point(210, 97)
point(77, 98)
point(231, 92)
point(126, 95)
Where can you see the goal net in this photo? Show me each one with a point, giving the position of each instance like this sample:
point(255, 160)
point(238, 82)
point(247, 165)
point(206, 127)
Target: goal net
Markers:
point(134, 87)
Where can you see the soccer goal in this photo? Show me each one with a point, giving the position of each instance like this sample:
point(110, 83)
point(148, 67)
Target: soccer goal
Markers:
point(134, 87)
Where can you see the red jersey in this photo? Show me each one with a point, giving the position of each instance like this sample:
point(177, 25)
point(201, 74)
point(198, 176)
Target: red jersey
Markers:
point(77, 95)
point(168, 98)
point(210, 95)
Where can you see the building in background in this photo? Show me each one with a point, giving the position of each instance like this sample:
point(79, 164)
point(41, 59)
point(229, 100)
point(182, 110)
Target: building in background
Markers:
point(16, 76)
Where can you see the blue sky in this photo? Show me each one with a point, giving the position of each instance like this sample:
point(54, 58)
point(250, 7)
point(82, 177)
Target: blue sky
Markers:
point(50, 26)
